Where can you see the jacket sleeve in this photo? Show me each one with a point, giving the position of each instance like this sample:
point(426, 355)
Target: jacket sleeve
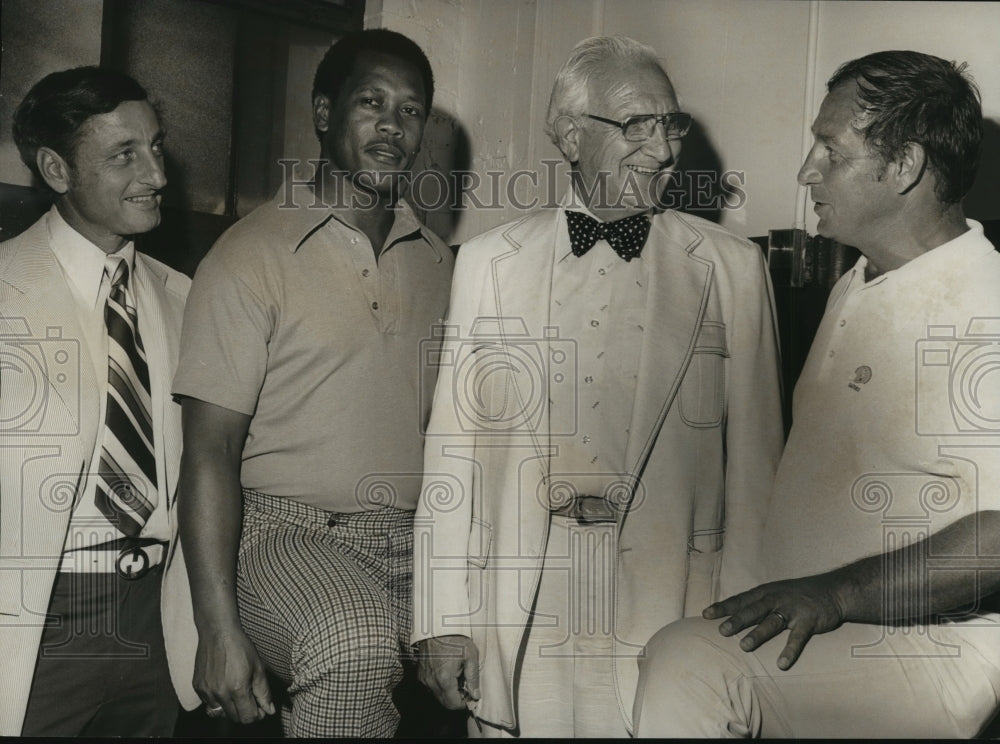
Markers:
point(443, 523)
point(754, 428)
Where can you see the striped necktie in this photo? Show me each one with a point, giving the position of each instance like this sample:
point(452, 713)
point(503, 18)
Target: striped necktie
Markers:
point(126, 487)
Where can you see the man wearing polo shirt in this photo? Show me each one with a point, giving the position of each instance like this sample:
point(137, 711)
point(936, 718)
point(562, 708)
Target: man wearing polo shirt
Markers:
point(95, 611)
point(884, 529)
point(301, 375)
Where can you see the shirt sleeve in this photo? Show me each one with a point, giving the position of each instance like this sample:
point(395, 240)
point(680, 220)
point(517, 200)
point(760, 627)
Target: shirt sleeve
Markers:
point(227, 326)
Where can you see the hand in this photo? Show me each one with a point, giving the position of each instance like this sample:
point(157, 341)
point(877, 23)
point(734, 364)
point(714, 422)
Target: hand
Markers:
point(441, 661)
point(804, 606)
point(230, 678)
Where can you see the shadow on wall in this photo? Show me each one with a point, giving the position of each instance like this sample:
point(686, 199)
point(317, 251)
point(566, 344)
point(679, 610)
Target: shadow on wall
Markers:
point(702, 187)
point(983, 201)
point(184, 235)
point(699, 185)
point(445, 151)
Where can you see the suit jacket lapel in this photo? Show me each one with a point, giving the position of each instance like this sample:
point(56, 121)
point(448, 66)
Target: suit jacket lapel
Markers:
point(159, 331)
point(523, 292)
point(677, 295)
point(675, 303)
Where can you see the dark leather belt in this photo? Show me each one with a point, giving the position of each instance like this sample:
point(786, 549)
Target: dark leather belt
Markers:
point(588, 510)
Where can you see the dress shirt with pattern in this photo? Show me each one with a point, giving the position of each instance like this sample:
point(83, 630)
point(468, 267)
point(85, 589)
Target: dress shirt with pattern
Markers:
point(598, 302)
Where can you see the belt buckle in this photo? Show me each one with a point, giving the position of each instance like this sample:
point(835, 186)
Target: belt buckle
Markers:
point(593, 510)
point(132, 563)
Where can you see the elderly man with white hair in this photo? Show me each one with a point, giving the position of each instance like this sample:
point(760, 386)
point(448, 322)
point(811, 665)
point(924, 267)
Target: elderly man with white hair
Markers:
point(605, 428)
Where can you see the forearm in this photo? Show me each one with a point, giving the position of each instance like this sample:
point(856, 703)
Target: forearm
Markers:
point(949, 570)
point(210, 513)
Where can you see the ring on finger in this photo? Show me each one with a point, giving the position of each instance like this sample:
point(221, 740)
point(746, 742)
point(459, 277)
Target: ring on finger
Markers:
point(782, 618)
point(213, 711)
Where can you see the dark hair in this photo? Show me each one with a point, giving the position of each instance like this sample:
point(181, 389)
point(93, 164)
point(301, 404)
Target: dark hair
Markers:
point(913, 97)
point(56, 107)
point(340, 58)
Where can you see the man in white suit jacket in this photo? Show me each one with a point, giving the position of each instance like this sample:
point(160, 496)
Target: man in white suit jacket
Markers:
point(605, 427)
point(84, 635)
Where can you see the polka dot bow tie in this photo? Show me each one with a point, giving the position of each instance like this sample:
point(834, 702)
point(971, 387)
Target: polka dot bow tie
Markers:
point(626, 236)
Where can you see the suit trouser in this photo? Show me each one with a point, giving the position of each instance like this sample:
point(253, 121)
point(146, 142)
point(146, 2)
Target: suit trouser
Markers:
point(859, 681)
point(326, 600)
point(102, 667)
point(565, 684)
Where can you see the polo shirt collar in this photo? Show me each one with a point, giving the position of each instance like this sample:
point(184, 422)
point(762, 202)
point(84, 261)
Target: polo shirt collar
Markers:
point(969, 245)
point(303, 220)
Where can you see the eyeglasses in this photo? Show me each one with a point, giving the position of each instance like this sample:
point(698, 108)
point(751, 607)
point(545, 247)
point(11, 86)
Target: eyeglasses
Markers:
point(640, 128)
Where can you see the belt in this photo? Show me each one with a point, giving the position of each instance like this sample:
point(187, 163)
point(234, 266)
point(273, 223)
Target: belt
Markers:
point(588, 510)
point(129, 557)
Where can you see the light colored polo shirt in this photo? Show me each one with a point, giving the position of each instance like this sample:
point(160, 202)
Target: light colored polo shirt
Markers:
point(896, 420)
point(292, 321)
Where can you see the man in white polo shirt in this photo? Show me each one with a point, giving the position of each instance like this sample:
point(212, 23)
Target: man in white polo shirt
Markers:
point(884, 528)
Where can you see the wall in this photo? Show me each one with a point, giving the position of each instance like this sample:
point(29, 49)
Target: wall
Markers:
point(306, 48)
point(739, 69)
point(195, 100)
point(739, 66)
point(51, 35)
point(231, 78)
point(42, 36)
point(961, 31)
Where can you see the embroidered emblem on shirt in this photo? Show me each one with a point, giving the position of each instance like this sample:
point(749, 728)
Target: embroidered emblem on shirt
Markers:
point(861, 375)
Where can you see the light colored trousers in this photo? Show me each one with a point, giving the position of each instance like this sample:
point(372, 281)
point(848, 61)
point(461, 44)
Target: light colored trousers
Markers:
point(859, 681)
point(565, 686)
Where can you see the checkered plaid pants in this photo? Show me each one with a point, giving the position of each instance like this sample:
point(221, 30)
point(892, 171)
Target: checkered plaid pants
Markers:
point(326, 599)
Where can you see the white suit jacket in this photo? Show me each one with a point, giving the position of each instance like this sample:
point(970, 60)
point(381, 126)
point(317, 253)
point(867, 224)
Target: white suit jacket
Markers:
point(48, 427)
point(705, 439)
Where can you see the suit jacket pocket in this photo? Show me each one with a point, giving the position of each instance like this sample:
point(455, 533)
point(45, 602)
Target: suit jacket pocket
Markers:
point(702, 397)
point(480, 538)
point(10, 591)
point(702, 581)
point(18, 578)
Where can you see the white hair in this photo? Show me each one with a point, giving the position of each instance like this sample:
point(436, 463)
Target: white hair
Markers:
point(589, 57)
